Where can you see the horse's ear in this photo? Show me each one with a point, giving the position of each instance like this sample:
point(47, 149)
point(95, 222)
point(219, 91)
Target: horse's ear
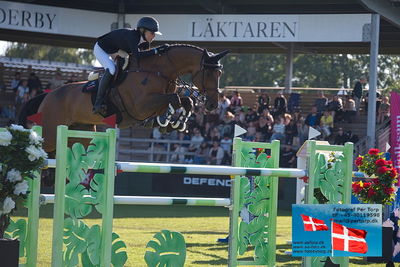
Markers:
point(220, 55)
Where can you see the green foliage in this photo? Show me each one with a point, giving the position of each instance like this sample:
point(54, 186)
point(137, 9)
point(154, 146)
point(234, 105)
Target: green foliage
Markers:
point(76, 204)
point(75, 236)
point(119, 256)
point(97, 192)
point(309, 70)
point(77, 164)
point(17, 230)
point(51, 53)
point(168, 250)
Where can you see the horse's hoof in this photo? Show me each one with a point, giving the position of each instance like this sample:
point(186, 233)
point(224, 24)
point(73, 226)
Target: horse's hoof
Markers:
point(163, 120)
point(182, 128)
point(176, 124)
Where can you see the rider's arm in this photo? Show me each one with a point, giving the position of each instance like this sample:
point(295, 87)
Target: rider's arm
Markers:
point(133, 43)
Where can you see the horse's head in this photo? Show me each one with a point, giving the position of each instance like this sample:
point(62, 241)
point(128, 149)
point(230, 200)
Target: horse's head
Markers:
point(207, 77)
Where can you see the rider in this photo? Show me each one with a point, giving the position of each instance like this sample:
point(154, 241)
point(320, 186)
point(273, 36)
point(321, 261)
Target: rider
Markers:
point(128, 40)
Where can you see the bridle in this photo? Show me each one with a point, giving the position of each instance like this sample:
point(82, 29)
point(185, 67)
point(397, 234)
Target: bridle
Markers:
point(204, 66)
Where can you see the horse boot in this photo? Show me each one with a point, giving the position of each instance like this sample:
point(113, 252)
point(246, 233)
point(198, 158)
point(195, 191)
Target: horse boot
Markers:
point(163, 120)
point(104, 82)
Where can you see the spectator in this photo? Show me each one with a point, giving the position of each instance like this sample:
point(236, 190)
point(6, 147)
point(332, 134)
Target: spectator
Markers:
point(223, 105)
point(216, 154)
point(199, 116)
point(251, 131)
point(264, 125)
point(22, 95)
point(341, 137)
point(34, 84)
point(263, 103)
point(157, 147)
point(16, 81)
point(259, 137)
point(278, 131)
point(196, 140)
point(290, 132)
point(349, 109)
point(313, 119)
point(226, 144)
point(251, 116)
point(288, 157)
point(214, 136)
point(384, 110)
point(236, 101)
point(321, 102)
point(280, 105)
point(179, 153)
point(201, 154)
point(228, 124)
point(8, 112)
point(358, 92)
point(336, 105)
point(352, 137)
point(326, 123)
point(302, 132)
point(57, 81)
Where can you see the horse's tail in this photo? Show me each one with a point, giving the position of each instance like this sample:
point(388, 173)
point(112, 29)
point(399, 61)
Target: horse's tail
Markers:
point(31, 107)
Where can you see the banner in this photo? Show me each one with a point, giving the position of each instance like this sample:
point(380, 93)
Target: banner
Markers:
point(395, 129)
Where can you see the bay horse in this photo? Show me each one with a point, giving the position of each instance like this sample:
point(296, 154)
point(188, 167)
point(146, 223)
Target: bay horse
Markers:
point(148, 90)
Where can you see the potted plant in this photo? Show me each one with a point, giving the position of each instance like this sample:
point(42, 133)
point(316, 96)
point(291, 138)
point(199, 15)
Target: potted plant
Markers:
point(21, 155)
point(380, 189)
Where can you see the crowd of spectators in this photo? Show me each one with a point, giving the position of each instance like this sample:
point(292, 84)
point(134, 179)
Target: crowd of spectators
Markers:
point(211, 133)
point(25, 88)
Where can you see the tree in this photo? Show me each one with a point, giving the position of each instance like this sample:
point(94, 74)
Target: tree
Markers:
point(51, 53)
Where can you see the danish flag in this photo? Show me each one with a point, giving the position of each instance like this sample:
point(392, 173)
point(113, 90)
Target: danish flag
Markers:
point(348, 239)
point(312, 224)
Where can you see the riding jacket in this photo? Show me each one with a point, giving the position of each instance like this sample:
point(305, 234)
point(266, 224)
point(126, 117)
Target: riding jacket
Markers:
point(124, 39)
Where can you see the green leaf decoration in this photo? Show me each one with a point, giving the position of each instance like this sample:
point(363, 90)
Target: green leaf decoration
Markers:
point(76, 204)
point(244, 191)
point(96, 152)
point(332, 184)
point(261, 252)
point(77, 164)
point(18, 230)
point(96, 191)
point(75, 236)
point(257, 229)
point(320, 169)
point(318, 261)
point(243, 237)
point(259, 201)
point(118, 253)
point(93, 245)
point(169, 250)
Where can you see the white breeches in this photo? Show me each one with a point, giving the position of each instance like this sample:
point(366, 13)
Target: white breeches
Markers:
point(104, 59)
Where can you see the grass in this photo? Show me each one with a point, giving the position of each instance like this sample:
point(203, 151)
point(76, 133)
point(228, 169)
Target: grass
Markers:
point(201, 227)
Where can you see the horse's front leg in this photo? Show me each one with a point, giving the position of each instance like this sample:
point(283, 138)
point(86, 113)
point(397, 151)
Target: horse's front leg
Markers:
point(180, 122)
point(173, 103)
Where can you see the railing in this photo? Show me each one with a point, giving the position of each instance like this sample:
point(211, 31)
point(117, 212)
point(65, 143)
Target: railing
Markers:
point(383, 130)
point(159, 150)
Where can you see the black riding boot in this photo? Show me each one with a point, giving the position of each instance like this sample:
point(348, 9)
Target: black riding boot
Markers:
point(103, 86)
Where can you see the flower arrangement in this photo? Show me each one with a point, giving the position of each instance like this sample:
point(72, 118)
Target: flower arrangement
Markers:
point(21, 155)
point(381, 188)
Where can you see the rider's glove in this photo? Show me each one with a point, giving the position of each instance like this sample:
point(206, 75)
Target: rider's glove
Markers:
point(161, 49)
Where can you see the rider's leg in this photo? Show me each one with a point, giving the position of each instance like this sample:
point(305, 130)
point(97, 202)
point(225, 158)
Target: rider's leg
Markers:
point(109, 66)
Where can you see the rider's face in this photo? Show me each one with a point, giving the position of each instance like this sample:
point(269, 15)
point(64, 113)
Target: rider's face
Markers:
point(149, 36)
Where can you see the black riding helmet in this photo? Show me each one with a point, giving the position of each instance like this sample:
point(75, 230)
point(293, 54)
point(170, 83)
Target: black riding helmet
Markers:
point(150, 24)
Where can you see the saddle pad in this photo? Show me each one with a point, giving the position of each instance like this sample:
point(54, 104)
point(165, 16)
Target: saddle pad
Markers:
point(90, 87)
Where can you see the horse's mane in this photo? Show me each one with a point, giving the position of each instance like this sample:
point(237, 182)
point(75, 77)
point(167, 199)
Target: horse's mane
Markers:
point(185, 45)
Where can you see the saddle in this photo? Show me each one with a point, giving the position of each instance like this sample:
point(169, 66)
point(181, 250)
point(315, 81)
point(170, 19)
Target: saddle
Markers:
point(92, 85)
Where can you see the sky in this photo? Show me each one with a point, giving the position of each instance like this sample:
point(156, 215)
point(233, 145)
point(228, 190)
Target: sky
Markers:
point(3, 46)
